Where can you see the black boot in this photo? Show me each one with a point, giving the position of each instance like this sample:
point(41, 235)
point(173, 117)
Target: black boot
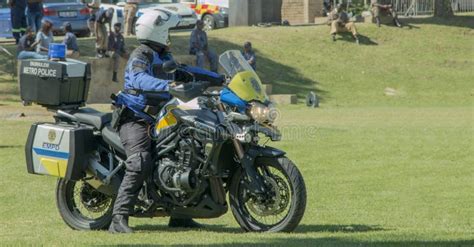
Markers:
point(99, 53)
point(397, 22)
point(120, 224)
point(184, 223)
point(114, 77)
point(333, 37)
point(377, 20)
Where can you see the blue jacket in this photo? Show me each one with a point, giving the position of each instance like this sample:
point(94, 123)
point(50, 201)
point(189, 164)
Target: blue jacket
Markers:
point(143, 72)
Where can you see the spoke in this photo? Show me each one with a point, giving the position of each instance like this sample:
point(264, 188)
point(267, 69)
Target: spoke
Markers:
point(97, 205)
point(271, 214)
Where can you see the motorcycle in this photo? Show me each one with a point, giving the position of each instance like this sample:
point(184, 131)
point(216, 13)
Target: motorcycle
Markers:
point(207, 145)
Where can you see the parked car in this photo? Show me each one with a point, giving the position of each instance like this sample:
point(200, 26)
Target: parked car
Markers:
point(214, 13)
point(5, 21)
point(187, 15)
point(72, 11)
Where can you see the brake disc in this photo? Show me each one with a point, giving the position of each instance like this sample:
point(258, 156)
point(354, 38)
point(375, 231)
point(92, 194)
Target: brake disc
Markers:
point(93, 200)
point(275, 205)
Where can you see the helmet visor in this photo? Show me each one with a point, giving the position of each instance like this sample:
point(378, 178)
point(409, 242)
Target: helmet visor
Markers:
point(162, 19)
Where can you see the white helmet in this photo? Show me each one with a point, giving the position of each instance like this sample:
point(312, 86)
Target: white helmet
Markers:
point(152, 27)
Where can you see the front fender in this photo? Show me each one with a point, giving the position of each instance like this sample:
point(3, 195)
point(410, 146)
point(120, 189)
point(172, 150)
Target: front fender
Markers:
point(271, 132)
point(258, 151)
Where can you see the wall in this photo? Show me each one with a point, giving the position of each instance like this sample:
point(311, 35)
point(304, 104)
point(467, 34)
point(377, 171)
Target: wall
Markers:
point(101, 85)
point(301, 11)
point(252, 12)
point(271, 10)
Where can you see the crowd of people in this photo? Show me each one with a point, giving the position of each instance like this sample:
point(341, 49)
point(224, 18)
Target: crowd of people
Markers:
point(339, 20)
point(33, 35)
point(36, 46)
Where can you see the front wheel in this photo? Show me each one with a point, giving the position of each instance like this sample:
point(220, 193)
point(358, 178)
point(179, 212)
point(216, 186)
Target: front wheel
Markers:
point(209, 23)
point(285, 203)
point(82, 207)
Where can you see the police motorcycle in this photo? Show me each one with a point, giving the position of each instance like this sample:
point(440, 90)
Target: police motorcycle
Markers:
point(208, 145)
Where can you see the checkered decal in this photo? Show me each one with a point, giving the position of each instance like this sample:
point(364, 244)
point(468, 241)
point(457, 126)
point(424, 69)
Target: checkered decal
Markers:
point(201, 9)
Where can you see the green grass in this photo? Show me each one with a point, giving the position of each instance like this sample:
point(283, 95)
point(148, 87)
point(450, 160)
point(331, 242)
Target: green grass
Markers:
point(380, 170)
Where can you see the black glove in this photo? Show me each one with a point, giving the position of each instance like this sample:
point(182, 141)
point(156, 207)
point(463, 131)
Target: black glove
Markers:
point(217, 82)
point(182, 76)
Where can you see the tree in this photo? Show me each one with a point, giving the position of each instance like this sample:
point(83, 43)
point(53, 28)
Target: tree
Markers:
point(443, 8)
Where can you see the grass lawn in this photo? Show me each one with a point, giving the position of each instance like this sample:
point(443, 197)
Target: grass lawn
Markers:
point(380, 170)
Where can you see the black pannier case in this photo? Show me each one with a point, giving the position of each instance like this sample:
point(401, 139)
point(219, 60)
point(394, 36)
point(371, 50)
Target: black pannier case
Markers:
point(54, 84)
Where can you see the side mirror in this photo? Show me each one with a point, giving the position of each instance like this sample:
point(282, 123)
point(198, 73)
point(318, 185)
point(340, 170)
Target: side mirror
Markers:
point(170, 66)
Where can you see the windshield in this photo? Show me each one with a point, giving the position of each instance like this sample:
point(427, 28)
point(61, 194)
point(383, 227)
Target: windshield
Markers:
point(245, 82)
point(233, 62)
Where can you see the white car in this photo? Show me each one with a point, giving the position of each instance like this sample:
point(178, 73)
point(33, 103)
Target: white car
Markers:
point(187, 15)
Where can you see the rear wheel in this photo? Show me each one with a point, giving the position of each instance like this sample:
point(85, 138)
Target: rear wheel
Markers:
point(209, 23)
point(82, 207)
point(285, 202)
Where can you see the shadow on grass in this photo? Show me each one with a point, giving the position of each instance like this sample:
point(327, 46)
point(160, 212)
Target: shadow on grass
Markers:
point(455, 21)
point(301, 229)
point(338, 228)
point(206, 228)
point(404, 23)
point(410, 26)
point(289, 240)
point(285, 79)
point(363, 40)
point(10, 146)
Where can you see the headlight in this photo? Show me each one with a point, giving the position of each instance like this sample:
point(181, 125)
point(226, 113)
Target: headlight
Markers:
point(262, 113)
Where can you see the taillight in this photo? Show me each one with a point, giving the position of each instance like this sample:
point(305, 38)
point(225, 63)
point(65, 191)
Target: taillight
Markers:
point(84, 11)
point(49, 12)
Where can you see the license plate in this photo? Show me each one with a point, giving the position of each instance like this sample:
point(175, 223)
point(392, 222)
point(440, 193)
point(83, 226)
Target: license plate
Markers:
point(67, 13)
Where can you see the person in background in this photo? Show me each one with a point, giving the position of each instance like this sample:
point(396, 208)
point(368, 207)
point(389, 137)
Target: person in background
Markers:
point(339, 21)
point(103, 16)
point(129, 12)
point(44, 37)
point(18, 18)
point(384, 7)
point(93, 6)
point(35, 14)
point(249, 55)
point(26, 46)
point(117, 48)
point(199, 47)
point(70, 40)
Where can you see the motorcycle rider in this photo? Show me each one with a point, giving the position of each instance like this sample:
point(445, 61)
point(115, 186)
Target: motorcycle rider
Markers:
point(143, 95)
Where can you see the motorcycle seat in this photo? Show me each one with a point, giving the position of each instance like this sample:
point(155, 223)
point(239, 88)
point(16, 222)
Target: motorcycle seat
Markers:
point(113, 139)
point(92, 117)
